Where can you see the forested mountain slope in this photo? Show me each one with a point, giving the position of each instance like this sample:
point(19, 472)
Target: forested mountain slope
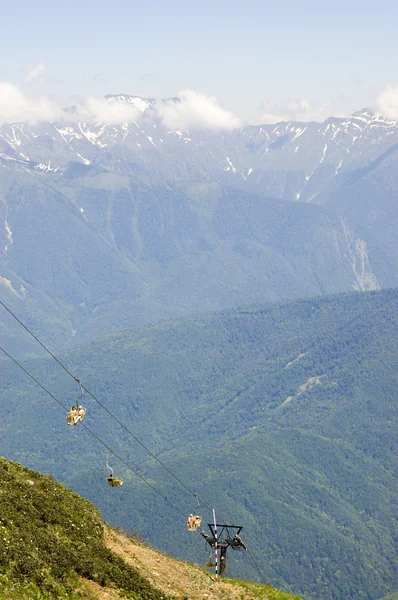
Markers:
point(283, 417)
point(96, 253)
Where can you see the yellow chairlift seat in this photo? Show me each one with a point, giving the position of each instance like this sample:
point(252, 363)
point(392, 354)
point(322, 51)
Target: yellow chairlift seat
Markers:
point(114, 481)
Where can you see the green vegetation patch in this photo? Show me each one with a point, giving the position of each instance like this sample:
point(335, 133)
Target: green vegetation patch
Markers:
point(258, 590)
point(49, 535)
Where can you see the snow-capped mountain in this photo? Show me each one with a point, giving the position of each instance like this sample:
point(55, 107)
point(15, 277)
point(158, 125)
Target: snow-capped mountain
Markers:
point(142, 104)
point(291, 161)
point(104, 226)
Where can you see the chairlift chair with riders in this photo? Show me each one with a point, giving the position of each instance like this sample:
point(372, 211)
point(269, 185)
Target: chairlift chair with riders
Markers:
point(194, 522)
point(77, 412)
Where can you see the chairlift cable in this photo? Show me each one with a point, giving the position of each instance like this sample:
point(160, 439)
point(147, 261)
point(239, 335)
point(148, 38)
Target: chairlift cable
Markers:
point(95, 435)
point(262, 578)
point(104, 407)
point(82, 387)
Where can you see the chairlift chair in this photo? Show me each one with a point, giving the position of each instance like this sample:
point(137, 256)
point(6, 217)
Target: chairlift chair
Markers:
point(111, 480)
point(77, 412)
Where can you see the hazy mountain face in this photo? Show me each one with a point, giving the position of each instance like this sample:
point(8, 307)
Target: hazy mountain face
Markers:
point(104, 226)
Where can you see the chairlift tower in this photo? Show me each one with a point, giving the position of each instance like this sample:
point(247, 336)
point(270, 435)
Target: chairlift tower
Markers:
point(222, 537)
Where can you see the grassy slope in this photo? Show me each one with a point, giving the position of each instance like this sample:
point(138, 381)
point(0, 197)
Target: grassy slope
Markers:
point(53, 546)
point(50, 535)
point(186, 580)
point(311, 479)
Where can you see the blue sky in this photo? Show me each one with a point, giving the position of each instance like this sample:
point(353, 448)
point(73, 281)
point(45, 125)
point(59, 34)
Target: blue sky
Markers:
point(336, 56)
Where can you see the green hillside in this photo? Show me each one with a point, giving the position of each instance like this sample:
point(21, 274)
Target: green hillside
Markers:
point(54, 543)
point(283, 417)
point(50, 536)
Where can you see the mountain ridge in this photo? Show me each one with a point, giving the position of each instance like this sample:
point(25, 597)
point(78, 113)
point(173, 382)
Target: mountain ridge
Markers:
point(250, 157)
point(136, 221)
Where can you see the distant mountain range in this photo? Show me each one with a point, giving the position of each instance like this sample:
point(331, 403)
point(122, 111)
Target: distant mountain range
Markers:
point(104, 226)
point(290, 161)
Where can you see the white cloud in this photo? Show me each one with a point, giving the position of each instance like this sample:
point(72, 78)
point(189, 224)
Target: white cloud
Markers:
point(36, 75)
point(196, 111)
point(101, 110)
point(192, 110)
point(15, 106)
point(297, 110)
point(387, 102)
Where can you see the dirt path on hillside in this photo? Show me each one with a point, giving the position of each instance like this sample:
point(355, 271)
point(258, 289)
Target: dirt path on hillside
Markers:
point(172, 576)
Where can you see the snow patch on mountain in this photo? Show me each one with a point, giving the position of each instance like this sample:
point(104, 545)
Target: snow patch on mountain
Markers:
point(338, 167)
point(46, 167)
point(84, 160)
point(68, 133)
point(141, 104)
point(9, 236)
point(230, 166)
point(324, 153)
point(8, 285)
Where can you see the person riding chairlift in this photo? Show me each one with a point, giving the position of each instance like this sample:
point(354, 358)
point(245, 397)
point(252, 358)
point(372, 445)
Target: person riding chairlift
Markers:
point(76, 414)
point(194, 522)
